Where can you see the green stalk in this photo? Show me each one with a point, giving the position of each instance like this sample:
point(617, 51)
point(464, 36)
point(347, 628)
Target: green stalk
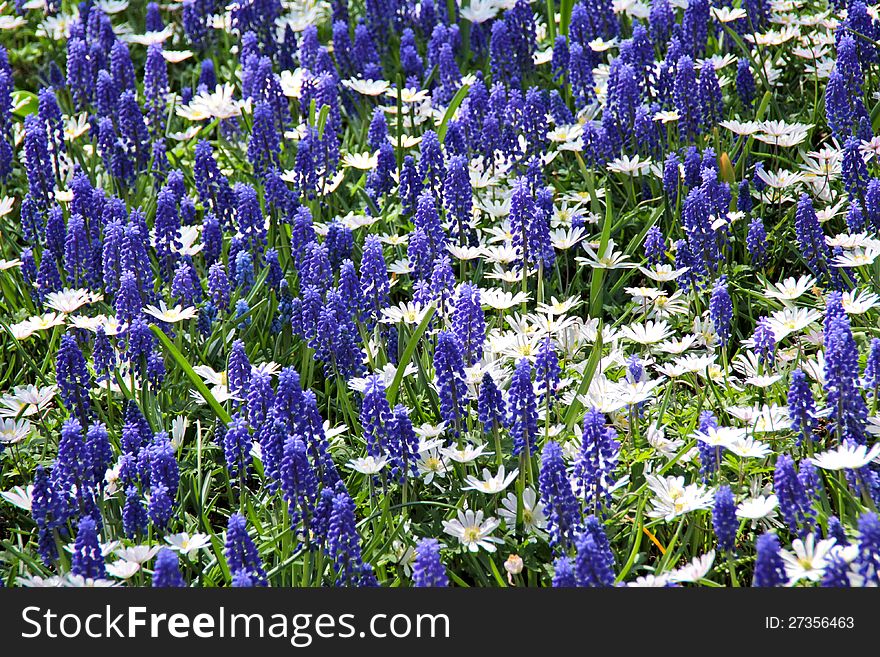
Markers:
point(731, 565)
point(551, 20)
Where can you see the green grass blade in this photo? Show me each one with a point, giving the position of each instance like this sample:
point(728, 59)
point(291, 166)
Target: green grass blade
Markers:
point(408, 354)
point(589, 371)
point(599, 273)
point(322, 120)
point(450, 111)
point(194, 378)
point(565, 7)
point(24, 353)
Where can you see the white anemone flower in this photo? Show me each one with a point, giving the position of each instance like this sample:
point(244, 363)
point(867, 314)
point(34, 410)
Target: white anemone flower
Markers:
point(728, 14)
point(122, 569)
point(532, 510)
point(46, 321)
point(480, 11)
point(672, 498)
point(432, 464)
point(695, 570)
point(19, 497)
point(464, 454)
point(14, 431)
point(648, 333)
point(790, 288)
point(741, 127)
point(362, 161)
point(12, 22)
point(176, 56)
point(746, 447)
point(846, 456)
point(218, 104)
point(630, 166)
point(491, 484)
point(566, 133)
point(473, 530)
point(25, 401)
point(719, 436)
point(667, 116)
point(808, 559)
point(407, 312)
point(792, 320)
point(608, 259)
point(170, 315)
point(369, 465)
point(150, 38)
point(67, 300)
point(758, 508)
point(6, 205)
point(76, 126)
point(499, 299)
point(860, 257)
point(651, 581)
point(663, 273)
point(139, 554)
point(292, 81)
point(858, 302)
point(780, 179)
point(188, 544)
point(367, 87)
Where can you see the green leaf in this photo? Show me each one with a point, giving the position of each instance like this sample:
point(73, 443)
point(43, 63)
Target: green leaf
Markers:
point(565, 7)
point(450, 111)
point(496, 573)
point(312, 110)
point(875, 117)
point(24, 353)
point(551, 20)
point(322, 120)
point(589, 371)
point(408, 354)
point(630, 250)
point(596, 289)
point(219, 552)
point(458, 580)
point(374, 209)
point(24, 103)
point(759, 114)
point(194, 378)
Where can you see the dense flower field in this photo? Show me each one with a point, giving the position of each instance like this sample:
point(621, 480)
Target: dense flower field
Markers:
point(406, 293)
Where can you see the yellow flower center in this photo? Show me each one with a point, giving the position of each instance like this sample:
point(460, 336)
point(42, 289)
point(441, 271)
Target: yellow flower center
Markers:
point(471, 534)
